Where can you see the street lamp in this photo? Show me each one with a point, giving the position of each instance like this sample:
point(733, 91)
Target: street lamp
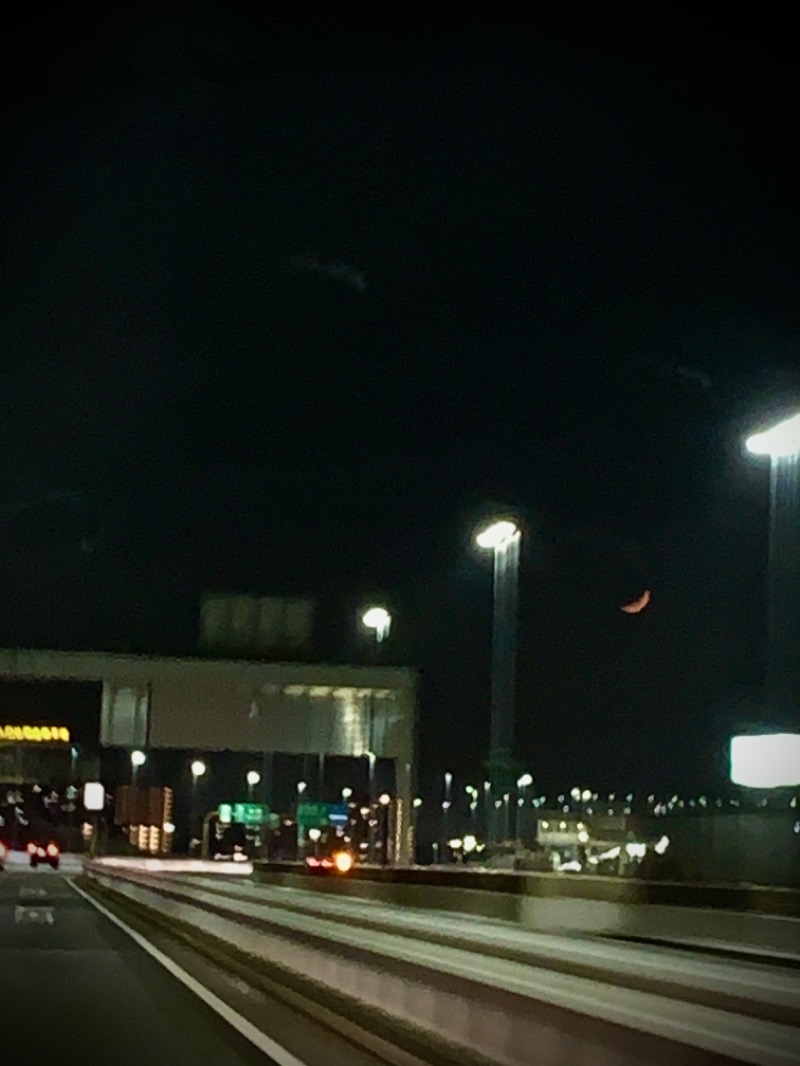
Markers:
point(377, 620)
point(346, 794)
point(198, 769)
point(781, 444)
point(253, 778)
point(502, 538)
point(138, 759)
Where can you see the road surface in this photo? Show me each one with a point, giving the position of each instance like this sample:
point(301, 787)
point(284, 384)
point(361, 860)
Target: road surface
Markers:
point(81, 990)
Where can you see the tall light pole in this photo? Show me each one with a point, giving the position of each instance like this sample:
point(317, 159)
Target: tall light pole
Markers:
point(523, 784)
point(253, 778)
point(377, 621)
point(198, 769)
point(781, 444)
point(502, 538)
point(446, 804)
point(138, 759)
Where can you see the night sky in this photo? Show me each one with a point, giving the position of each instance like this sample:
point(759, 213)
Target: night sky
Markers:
point(578, 239)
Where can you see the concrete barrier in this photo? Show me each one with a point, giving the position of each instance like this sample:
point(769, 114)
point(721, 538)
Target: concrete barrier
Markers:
point(500, 1008)
point(752, 918)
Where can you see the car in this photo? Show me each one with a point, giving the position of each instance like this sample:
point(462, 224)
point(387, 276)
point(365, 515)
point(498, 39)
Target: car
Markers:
point(48, 854)
point(340, 862)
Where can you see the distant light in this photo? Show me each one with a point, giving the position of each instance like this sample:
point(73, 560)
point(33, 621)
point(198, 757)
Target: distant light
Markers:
point(94, 796)
point(253, 777)
point(417, 803)
point(586, 795)
point(525, 781)
point(575, 794)
point(301, 787)
point(377, 619)
point(636, 851)
point(660, 847)
point(198, 768)
point(470, 843)
point(343, 861)
point(497, 535)
point(138, 758)
point(169, 827)
point(771, 760)
point(456, 844)
point(385, 799)
point(779, 441)
point(314, 835)
point(347, 793)
point(448, 779)
point(583, 837)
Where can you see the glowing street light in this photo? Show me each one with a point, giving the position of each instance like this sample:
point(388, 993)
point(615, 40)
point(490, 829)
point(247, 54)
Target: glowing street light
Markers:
point(779, 441)
point(198, 769)
point(502, 538)
point(346, 794)
point(378, 620)
point(253, 778)
point(781, 444)
point(138, 759)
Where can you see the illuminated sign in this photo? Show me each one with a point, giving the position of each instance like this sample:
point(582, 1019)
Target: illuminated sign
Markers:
point(35, 734)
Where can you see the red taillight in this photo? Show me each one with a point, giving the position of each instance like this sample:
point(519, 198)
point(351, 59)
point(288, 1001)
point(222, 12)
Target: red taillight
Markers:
point(311, 861)
point(52, 850)
point(31, 849)
point(327, 864)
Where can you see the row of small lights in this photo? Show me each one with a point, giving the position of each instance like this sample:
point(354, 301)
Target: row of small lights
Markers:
point(253, 777)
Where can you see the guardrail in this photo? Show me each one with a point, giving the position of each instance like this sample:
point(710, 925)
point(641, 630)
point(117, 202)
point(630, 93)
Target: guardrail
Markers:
point(505, 1008)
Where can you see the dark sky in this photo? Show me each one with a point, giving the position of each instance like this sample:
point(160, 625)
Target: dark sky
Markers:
point(580, 244)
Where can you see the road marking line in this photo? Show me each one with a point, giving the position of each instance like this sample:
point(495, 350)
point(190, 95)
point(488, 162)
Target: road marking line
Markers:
point(37, 915)
point(32, 893)
point(237, 1021)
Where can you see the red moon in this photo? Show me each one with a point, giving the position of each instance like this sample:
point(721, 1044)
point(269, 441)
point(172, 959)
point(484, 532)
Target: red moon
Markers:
point(637, 605)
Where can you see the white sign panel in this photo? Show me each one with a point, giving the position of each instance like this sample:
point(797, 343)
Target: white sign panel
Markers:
point(94, 796)
point(771, 760)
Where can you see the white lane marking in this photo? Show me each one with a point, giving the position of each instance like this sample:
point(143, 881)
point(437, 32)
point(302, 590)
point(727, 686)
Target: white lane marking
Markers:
point(32, 893)
point(35, 915)
point(237, 1021)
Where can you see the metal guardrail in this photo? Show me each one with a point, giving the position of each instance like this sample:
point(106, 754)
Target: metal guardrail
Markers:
point(501, 1007)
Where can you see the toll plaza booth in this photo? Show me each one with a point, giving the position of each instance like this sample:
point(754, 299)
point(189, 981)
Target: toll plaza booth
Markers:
point(203, 705)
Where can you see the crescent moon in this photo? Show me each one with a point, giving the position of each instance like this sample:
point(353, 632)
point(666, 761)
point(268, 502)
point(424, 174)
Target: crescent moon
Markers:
point(637, 605)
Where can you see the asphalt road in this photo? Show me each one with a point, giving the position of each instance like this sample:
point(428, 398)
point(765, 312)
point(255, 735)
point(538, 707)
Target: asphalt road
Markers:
point(82, 991)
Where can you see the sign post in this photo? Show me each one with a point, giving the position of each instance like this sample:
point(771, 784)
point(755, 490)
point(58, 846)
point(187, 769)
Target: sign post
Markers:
point(94, 800)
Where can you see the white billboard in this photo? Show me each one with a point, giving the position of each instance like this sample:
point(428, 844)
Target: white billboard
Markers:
point(771, 760)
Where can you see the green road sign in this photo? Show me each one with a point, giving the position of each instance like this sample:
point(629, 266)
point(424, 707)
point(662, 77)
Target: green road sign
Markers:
point(312, 815)
point(245, 813)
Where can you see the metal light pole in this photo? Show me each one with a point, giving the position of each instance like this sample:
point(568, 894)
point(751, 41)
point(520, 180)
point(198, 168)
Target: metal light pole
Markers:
point(377, 621)
point(138, 759)
point(502, 538)
point(253, 778)
point(198, 769)
point(446, 804)
point(523, 784)
point(781, 443)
